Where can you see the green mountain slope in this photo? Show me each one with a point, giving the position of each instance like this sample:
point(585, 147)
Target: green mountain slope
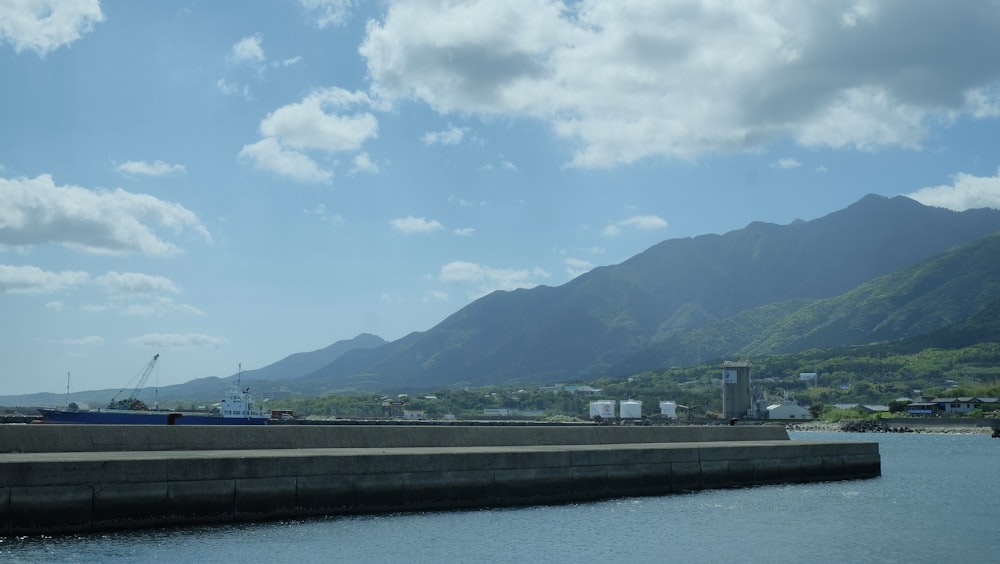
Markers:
point(933, 294)
point(681, 301)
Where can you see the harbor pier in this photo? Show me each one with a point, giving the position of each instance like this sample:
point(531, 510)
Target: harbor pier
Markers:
point(57, 479)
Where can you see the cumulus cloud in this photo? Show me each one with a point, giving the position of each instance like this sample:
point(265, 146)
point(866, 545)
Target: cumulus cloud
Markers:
point(135, 283)
point(966, 191)
point(451, 136)
point(363, 163)
point(177, 340)
point(156, 168)
point(268, 154)
point(625, 81)
point(134, 294)
point(320, 123)
point(329, 12)
point(984, 102)
point(643, 222)
point(45, 25)
point(35, 211)
point(248, 51)
point(33, 280)
point(410, 225)
point(150, 306)
point(479, 280)
point(313, 123)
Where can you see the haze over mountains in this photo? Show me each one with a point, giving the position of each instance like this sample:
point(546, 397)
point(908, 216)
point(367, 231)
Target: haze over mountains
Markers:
point(880, 269)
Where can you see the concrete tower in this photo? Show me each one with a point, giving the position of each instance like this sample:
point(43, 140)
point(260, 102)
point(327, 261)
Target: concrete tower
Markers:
point(737, 400)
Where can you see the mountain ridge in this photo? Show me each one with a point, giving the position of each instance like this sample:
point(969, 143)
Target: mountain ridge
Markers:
point(597, 321)
point(879, 269)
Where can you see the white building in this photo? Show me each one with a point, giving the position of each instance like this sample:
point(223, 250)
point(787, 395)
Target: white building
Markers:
point(787, 411)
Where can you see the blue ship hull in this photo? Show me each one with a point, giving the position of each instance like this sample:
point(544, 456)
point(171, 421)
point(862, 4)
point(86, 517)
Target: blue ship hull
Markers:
point(110, 417)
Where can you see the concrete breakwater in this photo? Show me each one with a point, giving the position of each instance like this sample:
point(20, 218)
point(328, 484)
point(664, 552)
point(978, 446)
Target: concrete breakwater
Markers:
point(75, 478)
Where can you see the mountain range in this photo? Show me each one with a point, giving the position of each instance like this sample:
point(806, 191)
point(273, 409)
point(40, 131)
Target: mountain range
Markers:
point(879, 270)
point(882, 268)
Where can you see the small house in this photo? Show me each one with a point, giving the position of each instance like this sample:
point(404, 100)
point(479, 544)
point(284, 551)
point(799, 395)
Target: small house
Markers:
point(787, 411)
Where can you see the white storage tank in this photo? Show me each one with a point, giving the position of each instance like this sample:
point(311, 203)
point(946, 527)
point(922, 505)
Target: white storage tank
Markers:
point(605, 409)
point(668, 409)
point(631, 409)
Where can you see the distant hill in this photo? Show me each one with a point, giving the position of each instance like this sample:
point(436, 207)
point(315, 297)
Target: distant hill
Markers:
point(264, 380)
point(737, 289)
point(295, 365)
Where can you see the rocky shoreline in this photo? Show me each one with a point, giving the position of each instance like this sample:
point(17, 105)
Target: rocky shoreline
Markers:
point(871, 426)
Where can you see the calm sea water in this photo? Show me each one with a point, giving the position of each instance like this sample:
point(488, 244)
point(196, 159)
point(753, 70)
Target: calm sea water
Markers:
point(938, 500)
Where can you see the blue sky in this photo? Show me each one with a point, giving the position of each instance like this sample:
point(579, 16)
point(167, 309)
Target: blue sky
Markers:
point(228, 182)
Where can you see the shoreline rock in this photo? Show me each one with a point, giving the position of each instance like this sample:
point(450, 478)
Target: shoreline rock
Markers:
point(871, 426)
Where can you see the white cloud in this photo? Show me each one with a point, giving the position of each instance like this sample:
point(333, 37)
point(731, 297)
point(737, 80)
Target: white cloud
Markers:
point(33, 280)
point(363, 163)
point(314, 125)
point(466, 203)
point(643, 222)
point(307, 125)
point(151, 306)
point(865, 118)
point(435, 296)
point(34, 211)
point(248, 51)
point(268, 154)
point(465, 231)
point(288, 62)
point(177, 340)
point(624, 81)
point(786, 163)
point(135, 283)
point(46, 25)
point(157, 168)
point(55, 305)
point(410, 225)
point(228, 87)
point(135, 294)
point(501, 164)
point(329, 12)
point(576, 267)
point(965, 192)
point(89, 341)
point(321, 213)
point(451, 136)
point(479, 280)
point(984, 102)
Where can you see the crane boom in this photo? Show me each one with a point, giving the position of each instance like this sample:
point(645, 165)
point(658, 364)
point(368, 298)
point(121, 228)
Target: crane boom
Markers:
point(131, 403)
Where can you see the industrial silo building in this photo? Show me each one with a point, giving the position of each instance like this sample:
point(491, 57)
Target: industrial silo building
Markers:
point(737, 399)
